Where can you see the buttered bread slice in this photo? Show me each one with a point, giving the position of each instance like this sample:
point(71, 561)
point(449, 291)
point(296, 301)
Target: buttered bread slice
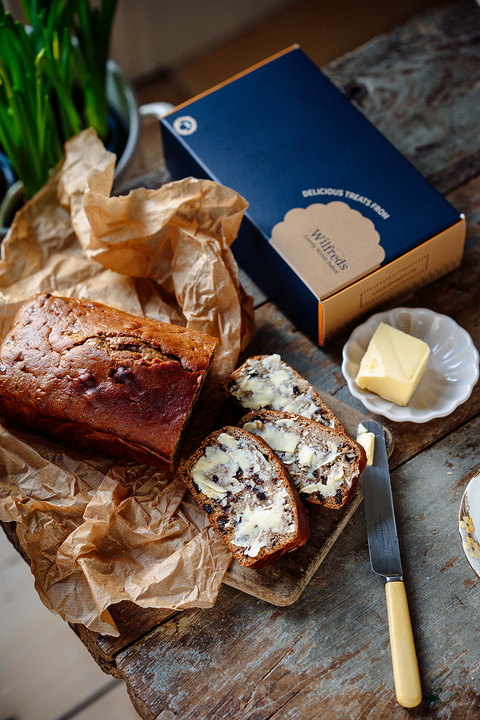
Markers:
point(324, 464)
point(267, 382)
point(243, 486)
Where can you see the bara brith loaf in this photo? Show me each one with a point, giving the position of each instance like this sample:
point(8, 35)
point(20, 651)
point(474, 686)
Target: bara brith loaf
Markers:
point(266, 382)
point(93, 375)
point(325, 464)
point(248, 496)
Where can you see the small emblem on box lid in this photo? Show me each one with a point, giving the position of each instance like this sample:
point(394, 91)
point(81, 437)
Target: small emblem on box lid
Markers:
point(185, 125)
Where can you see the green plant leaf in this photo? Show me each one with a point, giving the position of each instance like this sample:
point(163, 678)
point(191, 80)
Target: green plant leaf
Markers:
point(41, 70)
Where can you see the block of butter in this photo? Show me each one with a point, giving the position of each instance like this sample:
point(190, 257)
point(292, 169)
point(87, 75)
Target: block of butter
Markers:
point(367, 440)
point(393, 364)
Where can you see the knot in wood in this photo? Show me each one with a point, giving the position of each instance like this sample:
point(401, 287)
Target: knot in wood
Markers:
point(356, 91)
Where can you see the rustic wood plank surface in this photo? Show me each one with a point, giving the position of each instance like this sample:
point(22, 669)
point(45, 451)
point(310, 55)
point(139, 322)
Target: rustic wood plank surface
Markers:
point(419, 84)
point(428, 33)
point(328, 655)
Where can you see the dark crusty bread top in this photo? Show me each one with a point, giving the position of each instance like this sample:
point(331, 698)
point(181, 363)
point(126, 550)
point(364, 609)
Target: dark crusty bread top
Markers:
point(267, 382)
point(88, 373)
point(249, 498)
point(324, 464)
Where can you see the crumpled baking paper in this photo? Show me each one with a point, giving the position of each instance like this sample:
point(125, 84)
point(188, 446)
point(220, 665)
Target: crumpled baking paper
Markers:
point(98, 531)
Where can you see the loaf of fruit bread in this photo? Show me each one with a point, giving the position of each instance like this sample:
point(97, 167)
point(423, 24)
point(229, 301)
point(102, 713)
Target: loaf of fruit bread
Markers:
point(266, 381)
point(324, 464)
point(92, 375)
point(250, 500)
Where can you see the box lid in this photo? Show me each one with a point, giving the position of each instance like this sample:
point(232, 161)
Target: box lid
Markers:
point(283, 136)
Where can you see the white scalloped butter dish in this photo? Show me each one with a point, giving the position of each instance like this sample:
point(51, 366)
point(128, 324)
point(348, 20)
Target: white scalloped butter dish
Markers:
point(451, 374)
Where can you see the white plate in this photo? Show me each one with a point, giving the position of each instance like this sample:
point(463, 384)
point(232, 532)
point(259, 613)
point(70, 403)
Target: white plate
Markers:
point(449, 379)
point(469, 523)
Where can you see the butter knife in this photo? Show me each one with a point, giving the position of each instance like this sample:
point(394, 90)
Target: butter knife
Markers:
point(385, 560)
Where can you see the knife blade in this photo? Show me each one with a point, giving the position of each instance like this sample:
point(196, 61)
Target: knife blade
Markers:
point(386, 561)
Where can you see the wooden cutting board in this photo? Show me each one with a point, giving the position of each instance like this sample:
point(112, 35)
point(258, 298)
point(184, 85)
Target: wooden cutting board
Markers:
point(283, 583)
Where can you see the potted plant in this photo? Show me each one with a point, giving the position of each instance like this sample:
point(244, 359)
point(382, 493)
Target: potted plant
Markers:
point(55, 80)
point(7, 176)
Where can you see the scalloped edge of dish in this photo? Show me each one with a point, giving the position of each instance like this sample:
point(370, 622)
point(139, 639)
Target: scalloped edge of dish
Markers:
point(404, 318)
point(466, 528)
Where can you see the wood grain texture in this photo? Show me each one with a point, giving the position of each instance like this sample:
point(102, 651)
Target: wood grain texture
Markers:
point(419, 84)
point(132, 622)
point(458, 291)
point(328, 655)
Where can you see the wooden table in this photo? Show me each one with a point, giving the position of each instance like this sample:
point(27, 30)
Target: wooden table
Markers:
point(327, 655)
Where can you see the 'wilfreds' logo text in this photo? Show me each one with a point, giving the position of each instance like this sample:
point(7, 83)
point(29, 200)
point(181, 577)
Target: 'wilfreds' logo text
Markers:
point(334, 257)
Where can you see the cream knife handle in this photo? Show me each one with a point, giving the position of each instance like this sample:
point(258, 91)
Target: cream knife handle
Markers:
point(404, 658)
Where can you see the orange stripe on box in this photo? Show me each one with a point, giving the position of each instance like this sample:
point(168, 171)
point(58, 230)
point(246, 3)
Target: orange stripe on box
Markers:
point(321, 324)
point(234, 77)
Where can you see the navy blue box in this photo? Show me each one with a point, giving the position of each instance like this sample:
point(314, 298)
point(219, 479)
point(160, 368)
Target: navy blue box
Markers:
point(339, 222)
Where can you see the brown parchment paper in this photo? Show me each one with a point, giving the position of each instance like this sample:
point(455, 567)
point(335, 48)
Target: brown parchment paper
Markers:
point(97, 530)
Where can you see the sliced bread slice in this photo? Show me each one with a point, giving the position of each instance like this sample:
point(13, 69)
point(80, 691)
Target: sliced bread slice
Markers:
point(246, 491)
point(267, 382)
point(324, 464)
